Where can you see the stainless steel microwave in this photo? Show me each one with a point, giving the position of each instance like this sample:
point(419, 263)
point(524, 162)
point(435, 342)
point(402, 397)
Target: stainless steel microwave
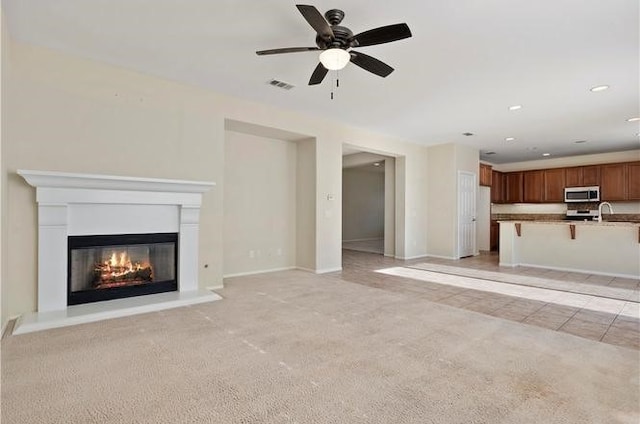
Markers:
point(582, 194)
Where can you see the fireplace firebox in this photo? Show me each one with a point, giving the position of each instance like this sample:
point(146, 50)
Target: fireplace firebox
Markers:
point(106, 267)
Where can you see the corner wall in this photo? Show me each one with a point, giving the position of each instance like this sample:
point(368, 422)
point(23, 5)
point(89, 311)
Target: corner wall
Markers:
point(259, 204)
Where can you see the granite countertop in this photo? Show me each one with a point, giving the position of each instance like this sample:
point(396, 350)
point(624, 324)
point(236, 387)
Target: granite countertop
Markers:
point(559, 222)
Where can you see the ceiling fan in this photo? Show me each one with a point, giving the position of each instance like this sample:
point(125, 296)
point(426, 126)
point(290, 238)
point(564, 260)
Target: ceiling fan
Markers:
point(335, 42)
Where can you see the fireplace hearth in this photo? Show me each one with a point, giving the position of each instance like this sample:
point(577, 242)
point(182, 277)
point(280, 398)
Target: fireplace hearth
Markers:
point(107, 267)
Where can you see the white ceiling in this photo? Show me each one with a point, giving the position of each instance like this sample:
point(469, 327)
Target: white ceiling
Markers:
point(467, 62)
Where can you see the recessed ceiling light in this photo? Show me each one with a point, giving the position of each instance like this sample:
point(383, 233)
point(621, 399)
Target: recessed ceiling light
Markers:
point(599, 88)
point(376, 164)
point(468, 134)
point(509, 139)
point(489, 153)
point(633, 119)
point(546, 154)
point(515, 107)
point(580, 141)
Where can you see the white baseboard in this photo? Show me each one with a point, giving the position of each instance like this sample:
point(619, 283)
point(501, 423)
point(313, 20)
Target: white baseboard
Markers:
point(214, 288)
point(261, 271)
point(453, 258)
point(364, 239)
point(327, 270)
point(408, 258)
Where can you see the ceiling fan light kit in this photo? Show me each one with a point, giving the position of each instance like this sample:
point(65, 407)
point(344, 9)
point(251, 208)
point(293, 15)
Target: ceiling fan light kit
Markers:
point(335, 43)
point(334, 59)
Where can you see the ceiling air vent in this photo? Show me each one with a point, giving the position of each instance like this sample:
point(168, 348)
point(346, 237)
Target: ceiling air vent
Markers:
point(489, 153)
point(280, 84)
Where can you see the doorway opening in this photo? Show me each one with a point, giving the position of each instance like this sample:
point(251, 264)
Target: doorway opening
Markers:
point(368, 202)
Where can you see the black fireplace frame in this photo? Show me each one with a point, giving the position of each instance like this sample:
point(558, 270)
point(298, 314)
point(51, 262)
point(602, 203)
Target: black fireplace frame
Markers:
point(89, 296)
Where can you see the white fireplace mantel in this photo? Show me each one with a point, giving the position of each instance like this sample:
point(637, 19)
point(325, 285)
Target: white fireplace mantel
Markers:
point(72, 204)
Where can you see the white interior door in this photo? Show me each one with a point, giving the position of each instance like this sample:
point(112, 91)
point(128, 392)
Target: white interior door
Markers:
point(466, 214)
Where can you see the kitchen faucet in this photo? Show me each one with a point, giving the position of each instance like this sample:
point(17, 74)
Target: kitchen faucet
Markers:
point(600, 210)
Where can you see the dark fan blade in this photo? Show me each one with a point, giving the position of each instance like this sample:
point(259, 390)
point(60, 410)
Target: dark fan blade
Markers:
point(385, 34)
point(318, 74)
point(370, 64)
point(316, 20)
point(286, 50)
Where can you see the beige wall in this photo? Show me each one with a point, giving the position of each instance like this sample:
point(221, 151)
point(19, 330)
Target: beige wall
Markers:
point(3, 187)
point(259, 204)
point(445, 160)
point(389, 207)
point(306, 204)
point(362, 204)
point(63, 113)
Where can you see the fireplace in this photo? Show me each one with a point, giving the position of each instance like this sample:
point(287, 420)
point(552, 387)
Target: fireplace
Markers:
point(106, 267)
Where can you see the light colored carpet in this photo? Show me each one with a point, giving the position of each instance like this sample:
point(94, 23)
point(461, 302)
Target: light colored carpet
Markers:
point(631, 293)
point(296, 347)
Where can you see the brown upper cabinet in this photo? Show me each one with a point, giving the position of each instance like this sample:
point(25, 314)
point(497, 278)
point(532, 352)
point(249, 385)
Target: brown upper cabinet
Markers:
point(590, 175)
point(497, 187)
point(554, 184)
point(513, 191)
point(485, 175)
point(633, 181)
point(581, 176)
point(613, 181)
point(617, 181)
point(533, 186)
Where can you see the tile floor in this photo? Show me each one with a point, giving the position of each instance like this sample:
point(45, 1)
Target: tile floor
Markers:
point(607, 327)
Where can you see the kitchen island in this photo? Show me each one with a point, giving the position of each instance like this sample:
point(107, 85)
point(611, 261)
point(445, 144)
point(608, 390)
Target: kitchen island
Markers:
point(606, 248)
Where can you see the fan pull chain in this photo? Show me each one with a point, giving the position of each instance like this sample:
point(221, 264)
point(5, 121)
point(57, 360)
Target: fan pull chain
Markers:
point(337, 83)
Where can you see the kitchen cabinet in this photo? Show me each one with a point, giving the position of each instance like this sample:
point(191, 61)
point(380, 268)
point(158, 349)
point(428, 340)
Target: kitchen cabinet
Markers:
point(574, 176)
point(497, 187)
point(633, 181)
point(494, 235)
point(513, 187)
point(582, 176)
point(613, 181)
point(533, 186)
point(554, 183)
point(590, 175)
point(485, 175)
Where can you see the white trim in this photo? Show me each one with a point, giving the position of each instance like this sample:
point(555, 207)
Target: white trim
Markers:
point(110, 182)
point(261, 271)
point(442, 257)
point(363, 239)
point(408, 258)
point(299, 268)
point(327, 270)
point(214, 288)
point(507, 264)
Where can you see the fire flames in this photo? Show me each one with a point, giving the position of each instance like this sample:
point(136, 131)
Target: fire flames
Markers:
point(119, 270)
